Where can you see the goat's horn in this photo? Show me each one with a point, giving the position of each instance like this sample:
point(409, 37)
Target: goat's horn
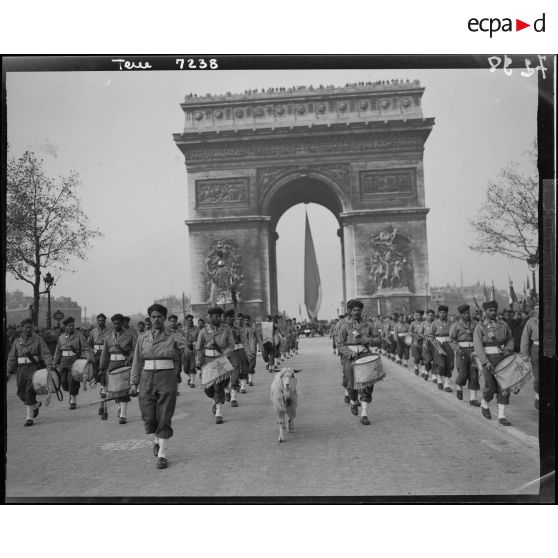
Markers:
point(296, 371)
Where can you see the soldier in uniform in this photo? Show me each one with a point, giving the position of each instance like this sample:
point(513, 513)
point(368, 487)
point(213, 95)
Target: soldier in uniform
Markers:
point(428, 350)
point(191, 333)
point(173, 328)
point(461, 341)
point(400, 330)
point(215, 339)
point(249, 338)
point(147, 323)
point(238, 359)
point(71, 346)
point(154, 369)
point(417, 340)
point(25, 357)
point(96, 340)
point(118, 351)
point(492, 340)
point(354, 340)
point(529, 347)
point(443, 355)
point(141, 328)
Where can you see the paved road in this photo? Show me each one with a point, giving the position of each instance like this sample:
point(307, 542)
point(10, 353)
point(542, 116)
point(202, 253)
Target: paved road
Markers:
point(421, 442)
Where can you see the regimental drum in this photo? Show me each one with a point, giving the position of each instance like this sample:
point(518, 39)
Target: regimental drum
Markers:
point(83, 370)
point(45, 382)
point(216, 370)
point(512, 373)
point(368, 370)
point(118, 381)
point(408, 340)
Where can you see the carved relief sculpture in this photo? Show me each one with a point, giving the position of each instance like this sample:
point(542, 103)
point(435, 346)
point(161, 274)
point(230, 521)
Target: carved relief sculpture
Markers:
point(221, 192)
point(224, 272)
point(390, 265)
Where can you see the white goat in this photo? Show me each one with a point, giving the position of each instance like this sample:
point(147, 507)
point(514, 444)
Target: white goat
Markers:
point(284, 398)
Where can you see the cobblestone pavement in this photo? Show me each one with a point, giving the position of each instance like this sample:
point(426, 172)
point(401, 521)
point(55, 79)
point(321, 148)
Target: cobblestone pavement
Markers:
point(422, 441)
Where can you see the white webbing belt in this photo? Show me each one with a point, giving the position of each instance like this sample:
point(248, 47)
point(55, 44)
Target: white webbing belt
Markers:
point(116, 356)
point(68, 353)
point(26, 360)
point(211, 353)
point(442, 338)
point(238, 346)
point(492, 350)
point(465, 344)
point(154, 364)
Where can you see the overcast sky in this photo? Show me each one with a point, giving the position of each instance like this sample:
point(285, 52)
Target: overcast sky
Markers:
point(115, 129)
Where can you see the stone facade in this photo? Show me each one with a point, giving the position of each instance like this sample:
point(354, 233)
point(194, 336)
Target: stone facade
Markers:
point(357, 150)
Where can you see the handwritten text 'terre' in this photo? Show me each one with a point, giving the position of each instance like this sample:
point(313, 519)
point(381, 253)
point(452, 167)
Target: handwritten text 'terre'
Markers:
point(128, 65)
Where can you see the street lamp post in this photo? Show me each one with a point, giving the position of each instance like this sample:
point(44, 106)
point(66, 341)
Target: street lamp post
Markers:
point(49, 282)
point(533, 264)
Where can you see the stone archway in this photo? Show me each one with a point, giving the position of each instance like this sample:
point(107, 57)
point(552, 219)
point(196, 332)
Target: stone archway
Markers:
point(357, 150)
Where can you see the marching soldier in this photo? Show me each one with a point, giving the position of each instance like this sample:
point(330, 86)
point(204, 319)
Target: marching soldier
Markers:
point(492, 340)
point(147, 323)
point(461, 341)
point(392, 341)
point(400, 332)
point(96, 341)
point(246, 354)
point(24, 358)
point(530, 348)
point(354, 341)
point(238, 360)
point(191, 333)
point(428, 351)
point(71, 346)
point(215, 339)
point(141, 328)
point(155, 363)
point(118, 351)
point(173, 328)
point(417, 341)
point(443, 355)
point(251, 341)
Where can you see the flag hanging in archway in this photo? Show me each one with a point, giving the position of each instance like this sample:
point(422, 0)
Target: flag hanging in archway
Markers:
point(312, 283)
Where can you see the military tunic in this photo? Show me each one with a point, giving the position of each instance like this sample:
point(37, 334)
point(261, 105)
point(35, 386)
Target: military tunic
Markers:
point(155, 369)
point(492, 340)
point(428, 350)
point(189, 355)
point(461, 341)
point(352, 346)
point(400, 332)
point(417, 342)
point(70, 347)
point(212, 343)
point(96, 341)
point(530, 347)
point(23, 352)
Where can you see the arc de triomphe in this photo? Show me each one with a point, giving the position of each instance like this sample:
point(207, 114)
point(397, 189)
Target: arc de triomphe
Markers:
point(357, 150)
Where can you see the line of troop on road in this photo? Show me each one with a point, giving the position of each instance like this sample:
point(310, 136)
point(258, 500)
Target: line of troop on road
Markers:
point(502, 349)
point(217, 355)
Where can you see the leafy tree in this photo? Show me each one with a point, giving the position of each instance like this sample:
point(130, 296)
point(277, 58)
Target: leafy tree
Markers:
point(507, 222)
point(45, 225)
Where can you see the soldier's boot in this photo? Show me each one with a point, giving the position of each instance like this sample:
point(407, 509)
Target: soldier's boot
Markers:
point(242, 386)
point(234, 402)
point(250, 379)
point(122, 412)
point(218, 413)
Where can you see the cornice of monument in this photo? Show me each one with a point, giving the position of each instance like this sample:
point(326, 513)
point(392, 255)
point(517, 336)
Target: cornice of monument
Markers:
point(356, 213)
point(285, 107)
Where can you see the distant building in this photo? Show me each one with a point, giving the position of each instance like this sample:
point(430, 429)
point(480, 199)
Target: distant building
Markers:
point(453, 296)
point(17, 308)
point(175, 305)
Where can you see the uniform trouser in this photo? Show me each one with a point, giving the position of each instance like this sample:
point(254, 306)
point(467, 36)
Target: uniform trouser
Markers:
point(68, 383)
point(157, 401)
point(96, 364)
point(24, 378)
point(244, 366)
point(252, 364)
point(113, 365)
point(234, 357)
point(189, 361)
point(428, 356)
point(363, 393)
point(268, 352)
point(402, 348)
point(535, 366)
point(443, 364)
point(179, 368)
point(416, 354)
point(491, 386)
point(392, 349)
point(467, 372)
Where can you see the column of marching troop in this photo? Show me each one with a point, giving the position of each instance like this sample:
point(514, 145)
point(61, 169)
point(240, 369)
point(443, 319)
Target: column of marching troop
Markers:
point(154, 356)
point(438, 349)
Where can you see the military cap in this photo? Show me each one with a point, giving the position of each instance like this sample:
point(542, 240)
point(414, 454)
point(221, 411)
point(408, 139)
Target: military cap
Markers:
point(118, 317)
point(354, 303)
point(396, 315)
point(157, 308)
point(188, 316)
point(147, 320)
point(463, 308)
point(490, 304)
point(421, 312)
point(229, 313)
point(101, 315)
point(430, 311)
point(442, 308)
point(173, 316)
point(26, 321)
point(69, 320)
point(126, 318)
point(215, 310)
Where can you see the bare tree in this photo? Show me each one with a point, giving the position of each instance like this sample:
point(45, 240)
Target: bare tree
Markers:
point(507, 222)
point(45, 225)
